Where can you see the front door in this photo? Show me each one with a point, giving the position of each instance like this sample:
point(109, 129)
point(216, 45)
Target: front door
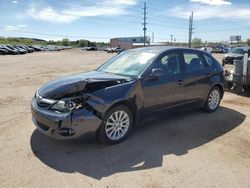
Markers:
point(167, 90)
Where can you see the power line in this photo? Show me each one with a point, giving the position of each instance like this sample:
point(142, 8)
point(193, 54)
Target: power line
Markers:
point(54, 35)
point(228, 29)
point(167, 25)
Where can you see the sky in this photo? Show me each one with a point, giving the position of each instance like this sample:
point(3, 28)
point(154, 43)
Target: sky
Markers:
point(100, 20)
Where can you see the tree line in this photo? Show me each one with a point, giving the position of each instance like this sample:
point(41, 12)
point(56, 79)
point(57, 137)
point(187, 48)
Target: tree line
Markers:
point(197, 42)
point(63, 42)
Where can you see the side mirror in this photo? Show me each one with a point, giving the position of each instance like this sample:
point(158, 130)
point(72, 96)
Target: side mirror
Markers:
point(156, 73)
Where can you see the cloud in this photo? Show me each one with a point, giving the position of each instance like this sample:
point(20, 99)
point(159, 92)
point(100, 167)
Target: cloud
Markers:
point(14, 28)
point(212, 2)
point(125, 2)
point(202, 12)
point(72, 13)
point(50, 15)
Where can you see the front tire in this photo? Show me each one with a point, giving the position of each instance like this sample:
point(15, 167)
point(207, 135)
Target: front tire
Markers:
point(116, 125)
point(213, 100)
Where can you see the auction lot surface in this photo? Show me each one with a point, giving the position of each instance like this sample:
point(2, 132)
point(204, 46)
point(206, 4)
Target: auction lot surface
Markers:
point(190, 149)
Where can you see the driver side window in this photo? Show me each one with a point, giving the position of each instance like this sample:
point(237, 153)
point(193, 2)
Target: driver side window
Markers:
point(170, 64)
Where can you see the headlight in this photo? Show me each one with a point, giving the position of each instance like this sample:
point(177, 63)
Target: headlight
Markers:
point(63, 105)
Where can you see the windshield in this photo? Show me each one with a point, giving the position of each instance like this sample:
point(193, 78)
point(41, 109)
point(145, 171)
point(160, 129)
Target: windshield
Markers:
point(238, 51)
point(128, 63)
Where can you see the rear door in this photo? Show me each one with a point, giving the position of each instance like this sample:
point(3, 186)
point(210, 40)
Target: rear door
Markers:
point(197, 75)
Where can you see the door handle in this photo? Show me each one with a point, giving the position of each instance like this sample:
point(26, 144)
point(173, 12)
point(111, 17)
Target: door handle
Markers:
point(180, 82)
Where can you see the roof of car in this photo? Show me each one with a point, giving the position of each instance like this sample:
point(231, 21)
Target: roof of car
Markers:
point(156, 49)
point(244, 47)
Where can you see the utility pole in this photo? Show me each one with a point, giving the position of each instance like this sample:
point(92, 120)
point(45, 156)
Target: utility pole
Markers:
point(153, 38)
point(144, 22)
point(172, 39)
point(190, 30)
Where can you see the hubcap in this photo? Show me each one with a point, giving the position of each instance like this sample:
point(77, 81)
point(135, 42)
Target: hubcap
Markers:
point(117, 125)
point(214, 99)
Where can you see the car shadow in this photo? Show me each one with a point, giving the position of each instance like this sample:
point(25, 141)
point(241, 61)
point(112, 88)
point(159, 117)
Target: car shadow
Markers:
point(144, 149)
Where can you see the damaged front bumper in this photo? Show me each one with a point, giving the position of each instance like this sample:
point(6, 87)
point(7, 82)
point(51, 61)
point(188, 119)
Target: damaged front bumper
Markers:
point(64, 125)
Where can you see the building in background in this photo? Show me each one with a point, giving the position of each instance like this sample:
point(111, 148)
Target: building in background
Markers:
point(128, 42)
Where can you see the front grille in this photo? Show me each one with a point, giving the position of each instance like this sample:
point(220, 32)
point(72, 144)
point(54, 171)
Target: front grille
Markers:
point(42, 126)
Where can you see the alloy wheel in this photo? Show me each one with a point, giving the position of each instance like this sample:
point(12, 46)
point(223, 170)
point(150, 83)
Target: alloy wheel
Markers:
point(117, 125)
point(214, 99)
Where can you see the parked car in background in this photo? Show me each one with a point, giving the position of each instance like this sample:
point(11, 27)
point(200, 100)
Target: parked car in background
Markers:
point(30, 50)
point(91, 48)
point(126, 90)
point(11, 50)
point(21, 50)
point(107, 49)
point(219, 49)
point(117, 50)
point(236, 53)
point(229, 49)
point(3, 51)
point(207, 49)
point(36, 48)
point(84, 48)
point(47, 48)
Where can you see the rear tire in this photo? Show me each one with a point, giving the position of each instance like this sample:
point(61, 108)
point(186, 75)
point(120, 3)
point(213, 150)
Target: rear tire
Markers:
point(116, 125)
point(213, 100)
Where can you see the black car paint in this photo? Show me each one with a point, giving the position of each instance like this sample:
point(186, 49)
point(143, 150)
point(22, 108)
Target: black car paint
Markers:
point(75, 84)
point(10, 49)
point(3, 51)
point(144, 95)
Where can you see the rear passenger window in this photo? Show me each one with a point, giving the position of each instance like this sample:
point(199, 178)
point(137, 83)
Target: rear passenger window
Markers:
point(209, 60)
point(193, 62)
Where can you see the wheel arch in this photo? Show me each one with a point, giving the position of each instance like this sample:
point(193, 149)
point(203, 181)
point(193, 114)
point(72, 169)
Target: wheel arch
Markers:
point(220, 86)
point(129, 104)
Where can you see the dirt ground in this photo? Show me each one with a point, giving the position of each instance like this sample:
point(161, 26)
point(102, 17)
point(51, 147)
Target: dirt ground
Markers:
point(191, 149)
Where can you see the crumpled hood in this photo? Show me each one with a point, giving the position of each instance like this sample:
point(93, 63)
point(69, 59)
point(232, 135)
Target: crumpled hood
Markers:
point(73, 85)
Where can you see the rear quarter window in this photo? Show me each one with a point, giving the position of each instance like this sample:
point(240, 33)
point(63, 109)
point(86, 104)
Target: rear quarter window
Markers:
point(209, 60)
point(193, 63)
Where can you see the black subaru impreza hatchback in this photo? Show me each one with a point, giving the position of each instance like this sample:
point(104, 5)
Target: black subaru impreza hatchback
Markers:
point(125, 90)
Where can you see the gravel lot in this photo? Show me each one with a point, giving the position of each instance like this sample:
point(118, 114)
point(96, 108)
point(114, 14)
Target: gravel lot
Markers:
point(191, 149)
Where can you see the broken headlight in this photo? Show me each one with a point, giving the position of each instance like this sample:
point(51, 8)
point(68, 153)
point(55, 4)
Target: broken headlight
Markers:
point(63, 106)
